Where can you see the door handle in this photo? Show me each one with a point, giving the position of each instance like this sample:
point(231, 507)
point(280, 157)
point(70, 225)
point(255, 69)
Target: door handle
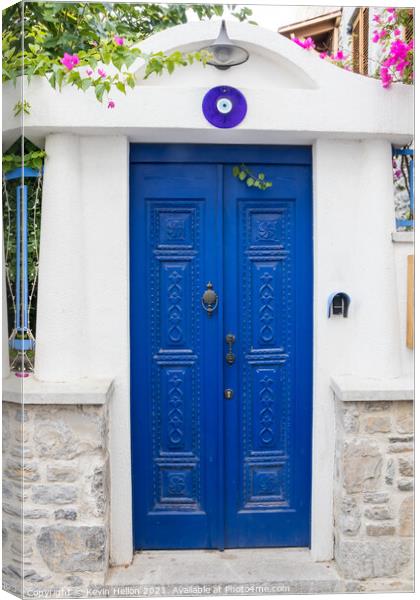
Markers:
point(228, 394)
point(230, 357)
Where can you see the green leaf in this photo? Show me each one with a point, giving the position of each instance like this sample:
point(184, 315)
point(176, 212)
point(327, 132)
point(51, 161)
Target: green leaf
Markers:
point(242, 175)
point(120, 86)
point(236, 170)
point(250, 181)
point(86, 83)
point(261, 176)
point(99, 91)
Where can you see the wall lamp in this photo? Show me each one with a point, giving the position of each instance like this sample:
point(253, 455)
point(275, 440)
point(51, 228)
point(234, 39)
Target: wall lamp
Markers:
point(225, 53)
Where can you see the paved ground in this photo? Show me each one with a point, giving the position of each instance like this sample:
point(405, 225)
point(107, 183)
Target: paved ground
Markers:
point(205, 572)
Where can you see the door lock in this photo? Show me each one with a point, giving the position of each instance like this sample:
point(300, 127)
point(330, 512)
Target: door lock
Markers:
point(230, 357)
point(228, 394)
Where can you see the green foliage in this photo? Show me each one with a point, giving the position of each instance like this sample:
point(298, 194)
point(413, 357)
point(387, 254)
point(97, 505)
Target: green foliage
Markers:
point(88, 30)
point(33, 159)
point(244, 174)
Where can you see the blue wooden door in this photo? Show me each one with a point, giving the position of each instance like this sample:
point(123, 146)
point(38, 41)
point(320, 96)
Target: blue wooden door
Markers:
point(209, 470)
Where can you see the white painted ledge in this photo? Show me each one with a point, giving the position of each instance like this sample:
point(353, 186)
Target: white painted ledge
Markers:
point(403, 237)
point(349, 388)
point(32, 391)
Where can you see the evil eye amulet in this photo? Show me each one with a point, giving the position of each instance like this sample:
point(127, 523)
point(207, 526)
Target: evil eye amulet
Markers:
point(224, 106)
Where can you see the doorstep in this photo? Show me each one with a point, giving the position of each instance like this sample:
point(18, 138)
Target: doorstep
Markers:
point(231, 572)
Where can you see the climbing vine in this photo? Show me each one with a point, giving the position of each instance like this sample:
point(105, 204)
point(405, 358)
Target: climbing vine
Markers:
point(243, 173)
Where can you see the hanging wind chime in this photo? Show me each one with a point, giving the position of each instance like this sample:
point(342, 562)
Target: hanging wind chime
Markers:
point(22, 339)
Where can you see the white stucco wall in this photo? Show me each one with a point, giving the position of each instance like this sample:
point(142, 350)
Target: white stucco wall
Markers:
point(83, 294)
point(293, 97)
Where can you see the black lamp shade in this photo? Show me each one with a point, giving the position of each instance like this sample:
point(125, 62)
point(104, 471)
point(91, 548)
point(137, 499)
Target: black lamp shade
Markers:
point(225, 53)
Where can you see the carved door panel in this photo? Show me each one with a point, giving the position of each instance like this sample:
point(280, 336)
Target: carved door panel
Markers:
point(268, 306)
point(213, 470)
point(175, 383)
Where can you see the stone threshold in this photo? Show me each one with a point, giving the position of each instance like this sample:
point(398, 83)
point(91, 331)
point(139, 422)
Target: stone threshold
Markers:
point(261, 571)
point(32, 391)
point(349, 388)
point(231, 572)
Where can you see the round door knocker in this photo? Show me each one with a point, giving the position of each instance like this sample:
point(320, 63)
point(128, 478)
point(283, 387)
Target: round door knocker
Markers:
point(209, 299)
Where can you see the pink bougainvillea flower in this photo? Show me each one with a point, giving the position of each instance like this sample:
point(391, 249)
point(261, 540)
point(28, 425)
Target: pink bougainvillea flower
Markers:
point(323, 55)
point(69, 60)
point(89, 72)
point(386, 77)
point(111, 104)
point(307, 43)
point(119, 40)
point(398, 173)
point(375, 37)
point(397, 32)
point(376, 18)
point(339, 55)
point(101, 73)
point(390, 10)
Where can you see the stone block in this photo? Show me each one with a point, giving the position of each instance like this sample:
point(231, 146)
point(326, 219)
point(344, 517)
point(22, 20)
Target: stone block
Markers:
point(404, 417)
point(54, 494)
point(390, 472)
point(405, 485)
point(99, 489)
point(406, 517)
point(406, 467)
point(362, 463)
point(361, 559)
point(61, 473)
point(377, 424)
point(67, 514)
point(396, 447)
point(380, 530)
point(53, 439)
point(69, 549)
point(377, 406)
point(349, 519)
point(350, 419)
point(376, 497)
point(21, 471)
point(378, 513)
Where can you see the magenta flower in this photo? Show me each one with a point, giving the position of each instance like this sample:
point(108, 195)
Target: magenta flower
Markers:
point(386, 77)
point(376, 18)
point(119, 40)
point(101, 73)
point(306, 44)
point(397, 32)
point(323, 55)
point(111, 104)
point(89, 72)
point(69, 60)
point(398, 173)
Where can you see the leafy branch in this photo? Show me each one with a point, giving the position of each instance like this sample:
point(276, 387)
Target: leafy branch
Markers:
point(243, 173)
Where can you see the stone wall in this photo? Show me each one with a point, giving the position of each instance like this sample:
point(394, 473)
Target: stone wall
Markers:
point(373, 506)
point(55, 497)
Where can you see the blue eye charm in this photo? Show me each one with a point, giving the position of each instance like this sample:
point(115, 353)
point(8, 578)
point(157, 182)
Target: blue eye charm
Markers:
point(224, 106)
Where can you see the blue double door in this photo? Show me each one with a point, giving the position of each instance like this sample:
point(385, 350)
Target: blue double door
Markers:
point(221, 348)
